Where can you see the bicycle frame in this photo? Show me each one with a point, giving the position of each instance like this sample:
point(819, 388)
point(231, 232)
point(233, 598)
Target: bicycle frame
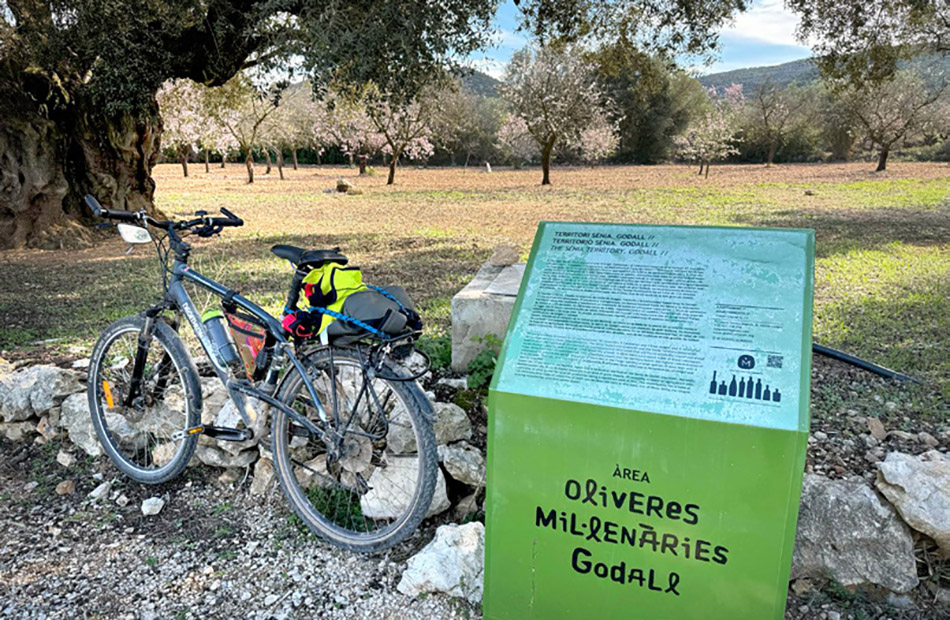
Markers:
point(177, 298)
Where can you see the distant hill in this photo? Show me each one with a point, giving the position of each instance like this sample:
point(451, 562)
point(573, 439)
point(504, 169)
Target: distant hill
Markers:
point(481, 83)
point(800, 71)
point(934, 67)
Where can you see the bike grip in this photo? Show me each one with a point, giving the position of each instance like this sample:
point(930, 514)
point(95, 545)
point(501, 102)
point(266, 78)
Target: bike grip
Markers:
point(237, 221)
point(93, 205)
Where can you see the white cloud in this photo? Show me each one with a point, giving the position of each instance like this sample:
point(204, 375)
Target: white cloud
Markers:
point(768, 21)
point(508, 38)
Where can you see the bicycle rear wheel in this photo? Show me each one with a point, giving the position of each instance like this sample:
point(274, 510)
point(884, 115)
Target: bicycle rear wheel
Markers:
point(378, 487)
point(138, 433)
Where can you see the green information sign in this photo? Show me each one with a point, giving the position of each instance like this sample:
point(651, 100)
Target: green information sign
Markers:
point(648, 421)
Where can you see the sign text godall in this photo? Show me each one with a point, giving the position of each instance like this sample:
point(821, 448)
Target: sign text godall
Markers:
point(642, 536)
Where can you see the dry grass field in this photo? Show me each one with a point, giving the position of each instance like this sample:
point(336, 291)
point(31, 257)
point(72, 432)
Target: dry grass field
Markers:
point(883, 243)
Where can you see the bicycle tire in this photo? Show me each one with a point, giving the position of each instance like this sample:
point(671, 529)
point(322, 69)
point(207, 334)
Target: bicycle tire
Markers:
point(349, 537)
point(182, 364)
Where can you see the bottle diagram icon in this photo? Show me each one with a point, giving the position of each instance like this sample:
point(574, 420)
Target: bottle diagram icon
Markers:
point(745, 387)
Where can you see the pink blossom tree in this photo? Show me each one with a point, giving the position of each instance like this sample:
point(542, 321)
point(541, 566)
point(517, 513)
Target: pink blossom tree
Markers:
point(711, 136)
point(516, 144)
point(405, 127)
point(555, 93)
point(180, 104)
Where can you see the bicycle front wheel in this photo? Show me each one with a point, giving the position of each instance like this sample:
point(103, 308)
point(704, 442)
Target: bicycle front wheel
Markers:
point(137, 427)
point(368, 489)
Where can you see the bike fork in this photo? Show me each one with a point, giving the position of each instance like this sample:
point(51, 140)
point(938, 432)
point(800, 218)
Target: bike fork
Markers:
point(141, 357)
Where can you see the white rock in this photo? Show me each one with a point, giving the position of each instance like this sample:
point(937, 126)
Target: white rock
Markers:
point(75, 418)
point(229, 417)
point(152, 506)
point(80, 364)
point(264, 477)
point(101, 491)
point(391, 489)
point(213, 397)
point(65, 458)
point(483, 307)
point(451, 424)
point(122, 500)
point(216, 457)
point(17, 431)
point(453, 563)
point(464, 463)
point(35, 390)
point(846, 533)
point(460, 383)
point(919, 488)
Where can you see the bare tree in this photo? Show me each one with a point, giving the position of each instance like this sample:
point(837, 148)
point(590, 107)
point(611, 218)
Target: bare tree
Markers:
point(891, 112)
point(774, 112)
point(242, 109)
point(555, 93)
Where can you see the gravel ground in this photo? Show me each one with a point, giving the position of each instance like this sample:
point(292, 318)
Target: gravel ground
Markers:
point(214, 551)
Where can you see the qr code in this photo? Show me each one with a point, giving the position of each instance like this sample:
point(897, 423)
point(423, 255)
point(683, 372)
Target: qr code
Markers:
point(774, 361)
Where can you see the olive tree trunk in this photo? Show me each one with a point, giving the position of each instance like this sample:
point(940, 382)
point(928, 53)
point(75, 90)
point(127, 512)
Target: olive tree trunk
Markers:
point(49, 161)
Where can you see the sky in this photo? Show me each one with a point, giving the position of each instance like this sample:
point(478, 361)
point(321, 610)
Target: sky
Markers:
point(763, 35)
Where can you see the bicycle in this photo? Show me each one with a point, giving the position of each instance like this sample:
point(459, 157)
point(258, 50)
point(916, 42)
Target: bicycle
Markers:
point(351, 430)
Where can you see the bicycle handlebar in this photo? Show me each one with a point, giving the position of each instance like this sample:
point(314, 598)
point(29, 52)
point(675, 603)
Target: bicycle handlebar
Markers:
point(142, 217)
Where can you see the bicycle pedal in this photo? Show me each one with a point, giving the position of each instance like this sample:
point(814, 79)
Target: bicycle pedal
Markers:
point(216, 432)
point(225, 433)
point(194, 430)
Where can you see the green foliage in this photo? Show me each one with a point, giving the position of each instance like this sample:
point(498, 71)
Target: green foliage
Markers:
point(665, 27)
point(653, 102)
point(438, 347)
point(482, 367)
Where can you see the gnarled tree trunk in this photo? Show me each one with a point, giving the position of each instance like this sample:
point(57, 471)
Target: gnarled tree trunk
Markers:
point(52, 155)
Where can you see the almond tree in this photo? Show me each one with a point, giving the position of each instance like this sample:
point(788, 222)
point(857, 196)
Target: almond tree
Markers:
point(711, 136)
point(405, 127)
point(466, 123)
point(774, 110)
point(242, 109)
point(515, 143)
point(179, 102)
point(349, 127)
point(556, 94)
point(893, 111)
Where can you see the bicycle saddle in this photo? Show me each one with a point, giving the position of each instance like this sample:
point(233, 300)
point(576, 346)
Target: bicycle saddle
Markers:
point(309, 258)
